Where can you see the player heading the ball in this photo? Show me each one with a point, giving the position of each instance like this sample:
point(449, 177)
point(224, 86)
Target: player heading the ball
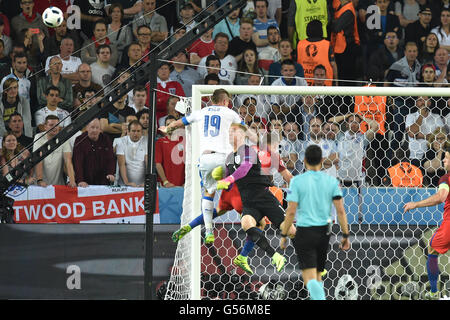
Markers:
point(215, 122)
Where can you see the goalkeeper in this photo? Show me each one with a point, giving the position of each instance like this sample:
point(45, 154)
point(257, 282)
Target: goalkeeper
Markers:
point(244, 168)
point(231, 199)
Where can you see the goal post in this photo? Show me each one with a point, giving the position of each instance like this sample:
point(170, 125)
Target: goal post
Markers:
point(190, 253)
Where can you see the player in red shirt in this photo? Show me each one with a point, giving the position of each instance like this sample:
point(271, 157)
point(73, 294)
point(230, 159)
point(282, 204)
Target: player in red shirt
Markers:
point(440, 241)
point(231, 199)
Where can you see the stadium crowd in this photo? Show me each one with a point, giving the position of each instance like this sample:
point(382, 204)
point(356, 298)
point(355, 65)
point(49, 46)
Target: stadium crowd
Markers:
point(50, 76)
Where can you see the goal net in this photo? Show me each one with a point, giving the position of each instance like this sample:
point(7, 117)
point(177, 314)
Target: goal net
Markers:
point(385, 146)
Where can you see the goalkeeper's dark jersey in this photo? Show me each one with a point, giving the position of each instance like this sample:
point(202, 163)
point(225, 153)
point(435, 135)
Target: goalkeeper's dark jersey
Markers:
point(245, 166)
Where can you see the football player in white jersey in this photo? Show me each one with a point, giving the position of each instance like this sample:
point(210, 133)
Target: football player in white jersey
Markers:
point(215, 122)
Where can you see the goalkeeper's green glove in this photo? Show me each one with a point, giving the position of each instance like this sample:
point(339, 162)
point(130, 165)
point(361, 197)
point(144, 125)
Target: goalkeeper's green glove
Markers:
point(225, 183)
point(217, 173)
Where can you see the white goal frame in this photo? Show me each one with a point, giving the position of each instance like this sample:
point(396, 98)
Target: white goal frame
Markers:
point(201, 90)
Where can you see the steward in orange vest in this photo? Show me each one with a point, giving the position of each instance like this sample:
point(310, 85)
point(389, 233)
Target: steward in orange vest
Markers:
point(314, 51)
point(372, 107)
point(341, 38)
point(404, 174)
point(345, 41)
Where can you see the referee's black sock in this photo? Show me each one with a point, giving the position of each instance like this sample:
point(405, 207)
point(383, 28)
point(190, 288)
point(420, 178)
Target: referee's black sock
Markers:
point(260, 239)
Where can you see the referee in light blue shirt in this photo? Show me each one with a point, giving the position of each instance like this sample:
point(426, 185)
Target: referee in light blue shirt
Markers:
point(310, 197)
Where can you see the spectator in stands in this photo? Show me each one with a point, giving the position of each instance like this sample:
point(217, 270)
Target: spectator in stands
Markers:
point(270, 53)
point(14, 153)
point(139, 98)
point(4, 59)
point(11, 103)
point(276, 126)
point(329, 147)
point(441, 60)
point(169, 157)
point(248, 111)
point(287, 105)
point(41, 5)
point(186, 17)
point(102, 70)
point(52, 44)
point(213, 67)
point(144, 37)
point(16, 126)
point(315, 50)
point(227, 61)
point(428, 77)
point(144, 118)
point(19, 71)
point(404, 72)
point(243, 41)
point(261, 24)
point(430, 45)
point(166, 88)
point(88, 52)
point(52, 96)
point(352, 146)
point(345, 40)
point(84, 84)
point(58, 164)
point(70, 62)
point(34, 48)
point(418, 30)
point(183, 73)
point(308, 110)
point(156, 22)
point(229, 25)
point(418, 125)
point(291, 147)
point(93, 157)
point(202, 47)
point(443, 30)
point(89, 99)
point(171, 111)
point(132, 59)
point(130, 8)
point(331, 132)
point(7, 42)
point(6, 67)
point(56, 79)
point(132, 156)
point(249, 65)
point(111, 123)
point(28, 19)
point(433, 167)
point(380, 60)
point(90, 13)
point(285, 52)
point(178, 30)
point(119, 33)
point(407, 11)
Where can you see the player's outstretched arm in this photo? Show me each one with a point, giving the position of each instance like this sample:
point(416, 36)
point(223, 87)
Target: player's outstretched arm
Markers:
point(431, 201)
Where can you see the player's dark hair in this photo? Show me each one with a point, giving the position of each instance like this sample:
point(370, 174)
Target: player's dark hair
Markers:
point(219, 95)
point(313, 155)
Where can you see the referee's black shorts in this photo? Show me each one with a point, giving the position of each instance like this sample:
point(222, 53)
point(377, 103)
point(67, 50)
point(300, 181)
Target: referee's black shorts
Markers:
point(259, 202)
point(311, 246)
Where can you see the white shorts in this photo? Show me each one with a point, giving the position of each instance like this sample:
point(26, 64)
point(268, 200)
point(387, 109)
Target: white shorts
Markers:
point(207, 163)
